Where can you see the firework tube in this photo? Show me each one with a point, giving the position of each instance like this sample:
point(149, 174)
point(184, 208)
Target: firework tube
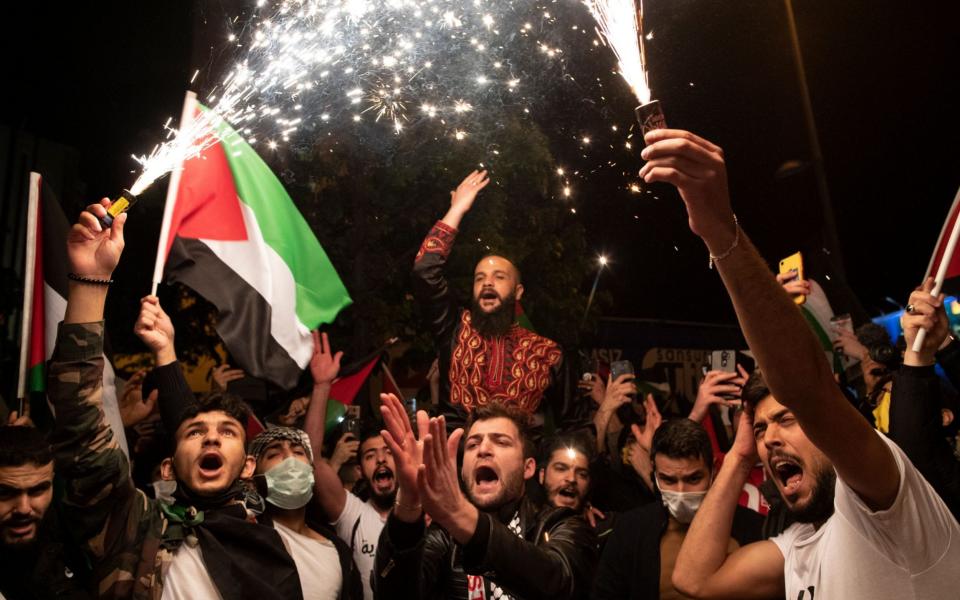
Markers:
point(119, 206)
point(941, 275)
point(650, 117)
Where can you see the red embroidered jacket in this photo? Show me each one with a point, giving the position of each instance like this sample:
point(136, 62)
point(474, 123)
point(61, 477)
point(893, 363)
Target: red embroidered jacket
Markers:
point(517, 369)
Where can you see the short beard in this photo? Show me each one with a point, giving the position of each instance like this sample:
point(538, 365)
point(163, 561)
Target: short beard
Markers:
point(820, 507)
point(513, 487)
point(383, 501)
point(497, 322)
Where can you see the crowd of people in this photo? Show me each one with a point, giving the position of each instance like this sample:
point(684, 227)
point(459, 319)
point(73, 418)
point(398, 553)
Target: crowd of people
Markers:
point(814, 486)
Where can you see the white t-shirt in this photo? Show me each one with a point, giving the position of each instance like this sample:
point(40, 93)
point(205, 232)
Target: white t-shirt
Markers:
point(364, 542)
point(910, 551)
point(187, 578)
point(318, 564)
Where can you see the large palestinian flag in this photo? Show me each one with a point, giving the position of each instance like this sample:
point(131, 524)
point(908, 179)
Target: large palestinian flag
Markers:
point(47, 254)
point(238, 240)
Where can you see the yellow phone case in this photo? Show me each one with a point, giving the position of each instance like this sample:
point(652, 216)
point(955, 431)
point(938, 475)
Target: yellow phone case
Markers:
point(794, 262)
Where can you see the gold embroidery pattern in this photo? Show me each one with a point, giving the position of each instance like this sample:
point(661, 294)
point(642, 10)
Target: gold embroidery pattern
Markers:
point(528, 359)
point(438, 241)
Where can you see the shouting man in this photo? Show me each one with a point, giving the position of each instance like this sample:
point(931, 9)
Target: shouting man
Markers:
point(491, 542)
point(485, 356)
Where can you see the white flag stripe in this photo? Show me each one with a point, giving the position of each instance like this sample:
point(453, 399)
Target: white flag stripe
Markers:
point(266, 272)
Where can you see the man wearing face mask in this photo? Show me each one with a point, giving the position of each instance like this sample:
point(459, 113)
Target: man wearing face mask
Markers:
point(285, 469)
point(638, 559)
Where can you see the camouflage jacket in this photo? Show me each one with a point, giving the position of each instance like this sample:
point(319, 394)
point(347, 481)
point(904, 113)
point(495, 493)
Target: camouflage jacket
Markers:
point(127, 535)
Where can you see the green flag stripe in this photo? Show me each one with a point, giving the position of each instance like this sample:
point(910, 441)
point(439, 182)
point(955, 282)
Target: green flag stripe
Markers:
point(320, 292)
point(37, 378)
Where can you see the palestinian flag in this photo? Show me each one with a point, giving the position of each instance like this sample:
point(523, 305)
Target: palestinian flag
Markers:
point(345, 389)
point(47, 297)
point(238, 240)
point(953, 268)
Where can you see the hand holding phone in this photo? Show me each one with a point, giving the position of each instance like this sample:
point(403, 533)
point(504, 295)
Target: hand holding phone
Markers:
point(792, 279)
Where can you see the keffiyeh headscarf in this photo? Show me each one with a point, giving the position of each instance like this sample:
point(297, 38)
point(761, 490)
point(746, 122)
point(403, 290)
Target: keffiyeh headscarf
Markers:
point(291, 434)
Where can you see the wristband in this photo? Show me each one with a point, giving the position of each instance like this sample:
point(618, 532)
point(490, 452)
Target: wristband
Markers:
point(88, 280)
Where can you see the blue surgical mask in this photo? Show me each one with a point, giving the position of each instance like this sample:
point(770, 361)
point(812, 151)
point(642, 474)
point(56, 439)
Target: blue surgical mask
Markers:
point(290, 484)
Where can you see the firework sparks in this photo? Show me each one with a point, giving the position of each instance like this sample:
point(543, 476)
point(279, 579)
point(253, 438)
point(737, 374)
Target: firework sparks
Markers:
point(312, 64)
point(620, 25)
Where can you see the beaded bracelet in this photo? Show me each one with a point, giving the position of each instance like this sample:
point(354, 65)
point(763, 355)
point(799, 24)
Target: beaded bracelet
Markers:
point(88, 280)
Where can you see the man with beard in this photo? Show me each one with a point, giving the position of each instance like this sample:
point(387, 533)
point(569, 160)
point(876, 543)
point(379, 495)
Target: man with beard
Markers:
point(285, 475)
point(357, 522)
point(492, 542)
point(33, 561)
point(639, 558)
point(485, 356)
point(565, 475)
point(208, 543)
point(882, 532)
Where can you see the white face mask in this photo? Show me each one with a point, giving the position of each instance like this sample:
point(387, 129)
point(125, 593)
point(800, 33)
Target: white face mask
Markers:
point(682, 505)
point(290, 484)
point(163, 490)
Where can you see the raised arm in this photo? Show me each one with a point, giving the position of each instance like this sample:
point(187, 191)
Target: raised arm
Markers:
point(430, 285)
point(703, 568)
point(324, 367)
point(88, 457)
point(793, 362)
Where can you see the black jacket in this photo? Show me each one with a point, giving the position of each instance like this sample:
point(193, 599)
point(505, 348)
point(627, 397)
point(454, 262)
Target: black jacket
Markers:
point(556, 558)
point(630, 565)
point(916, 426)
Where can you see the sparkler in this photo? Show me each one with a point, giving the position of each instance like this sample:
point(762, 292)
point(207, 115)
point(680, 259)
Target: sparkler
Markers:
point(620, 26)
point(396, 61)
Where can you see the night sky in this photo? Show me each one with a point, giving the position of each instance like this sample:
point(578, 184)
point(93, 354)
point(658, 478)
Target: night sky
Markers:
point(883, 80)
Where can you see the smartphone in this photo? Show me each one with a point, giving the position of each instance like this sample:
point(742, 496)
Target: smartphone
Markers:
point(794, 264)
point(620, 367)
point(723, 360)
point(351, 421)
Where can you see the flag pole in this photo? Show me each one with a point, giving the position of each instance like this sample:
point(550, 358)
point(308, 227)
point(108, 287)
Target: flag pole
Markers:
point(29, 272)
point(186, 116)
point(941, 271)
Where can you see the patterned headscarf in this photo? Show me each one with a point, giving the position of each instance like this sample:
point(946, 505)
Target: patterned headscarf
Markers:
point(259, 444)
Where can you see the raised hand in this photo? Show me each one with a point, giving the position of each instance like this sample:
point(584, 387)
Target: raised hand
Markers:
point(696, 167)
point(924, 311)
point(653, 422)
point(324, 364)
point(156, 330)
point(462, 198)
point(345, 450)
point(93, 251)
point(439, 483)
point(134, 408)
point(745, 442)
point(407, 451)
point(618, 392)
point(794, 286)
point(848, 344)
point(593, 387)
point(713, 388)
point(222, 375)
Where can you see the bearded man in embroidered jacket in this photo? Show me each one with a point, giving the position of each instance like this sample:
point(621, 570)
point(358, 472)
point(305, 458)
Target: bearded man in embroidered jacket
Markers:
point(485, 356)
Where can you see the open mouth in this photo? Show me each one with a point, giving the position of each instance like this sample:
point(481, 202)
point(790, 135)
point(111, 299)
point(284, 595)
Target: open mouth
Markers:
point(383, 478)
point(485, 479)
point(789, 472)
point(210, 464)
point(568, 492)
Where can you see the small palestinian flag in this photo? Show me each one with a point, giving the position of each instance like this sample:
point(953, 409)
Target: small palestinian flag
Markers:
point(48, 299)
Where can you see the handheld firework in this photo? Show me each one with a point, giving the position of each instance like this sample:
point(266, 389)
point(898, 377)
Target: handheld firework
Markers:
point(121, 205)
point(650, 117)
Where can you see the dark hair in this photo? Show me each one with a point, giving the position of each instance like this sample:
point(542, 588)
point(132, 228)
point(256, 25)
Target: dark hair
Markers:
point(368, 430)
point(21, 445)
point(880, 347)
point(222, 401)
point(562, 442)
point(497, 410)
point(682, 438)
point(755, 389)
